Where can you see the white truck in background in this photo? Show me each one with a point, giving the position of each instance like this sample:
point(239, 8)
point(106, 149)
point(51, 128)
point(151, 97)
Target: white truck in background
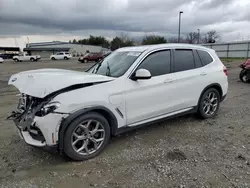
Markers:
point(26, 57)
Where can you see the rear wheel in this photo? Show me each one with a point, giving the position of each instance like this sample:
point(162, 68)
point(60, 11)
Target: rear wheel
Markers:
point(16, 60)
point(209, 103)
point(53, 58)
point(32, 59)
point(86, 136)
point(65, 58)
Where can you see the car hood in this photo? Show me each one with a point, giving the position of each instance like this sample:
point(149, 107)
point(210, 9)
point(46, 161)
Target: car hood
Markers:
point(42, 82)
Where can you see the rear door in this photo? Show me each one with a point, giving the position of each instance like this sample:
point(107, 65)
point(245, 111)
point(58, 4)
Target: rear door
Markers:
point(189, 75)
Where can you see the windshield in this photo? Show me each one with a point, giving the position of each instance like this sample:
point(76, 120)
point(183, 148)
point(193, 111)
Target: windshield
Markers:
point(115, 65)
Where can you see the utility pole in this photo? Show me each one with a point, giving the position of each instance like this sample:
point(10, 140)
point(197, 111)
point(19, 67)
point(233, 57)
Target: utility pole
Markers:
point(28, 42)
point(179, 33)
point(198, 36)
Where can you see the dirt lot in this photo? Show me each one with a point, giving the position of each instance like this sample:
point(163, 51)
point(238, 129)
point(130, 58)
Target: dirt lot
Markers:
point(184, 152)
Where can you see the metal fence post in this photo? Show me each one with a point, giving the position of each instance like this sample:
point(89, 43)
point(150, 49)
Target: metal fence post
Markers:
point(227, 50)
point(248, 49)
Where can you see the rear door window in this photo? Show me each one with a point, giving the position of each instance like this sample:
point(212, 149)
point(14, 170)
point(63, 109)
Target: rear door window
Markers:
point(205, 57)
point(197, 59)
point(183, 60)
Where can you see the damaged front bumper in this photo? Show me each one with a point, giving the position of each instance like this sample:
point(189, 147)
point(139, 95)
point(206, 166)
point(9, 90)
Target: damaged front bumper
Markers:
point(37, 125)
point(42, 131)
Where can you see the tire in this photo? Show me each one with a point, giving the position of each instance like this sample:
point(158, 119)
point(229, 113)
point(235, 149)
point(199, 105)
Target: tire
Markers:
point(70, 137)
point(85, 61)
point(32, 59)
point(53, 58)
point(243, 76)
point(205, 104)
point(65, 58)
point(16, 60)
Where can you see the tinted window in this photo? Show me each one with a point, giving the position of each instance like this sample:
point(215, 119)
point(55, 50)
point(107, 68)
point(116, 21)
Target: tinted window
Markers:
point(205, 57)
point(197, 59)
point(59, 53)
point(157, 63)
point(184, 60)
point(66, 53)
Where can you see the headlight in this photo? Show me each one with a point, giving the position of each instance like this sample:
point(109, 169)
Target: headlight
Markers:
point(48, 108)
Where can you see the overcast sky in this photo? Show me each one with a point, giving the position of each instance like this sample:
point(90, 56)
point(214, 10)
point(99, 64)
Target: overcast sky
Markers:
point(46, 20)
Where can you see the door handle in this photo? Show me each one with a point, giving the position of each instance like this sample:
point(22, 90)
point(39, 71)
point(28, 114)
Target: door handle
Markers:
point(168, 81)
point(203, 74)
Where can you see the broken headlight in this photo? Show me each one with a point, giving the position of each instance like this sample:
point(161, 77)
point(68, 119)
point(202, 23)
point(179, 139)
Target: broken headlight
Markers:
point(48, 108)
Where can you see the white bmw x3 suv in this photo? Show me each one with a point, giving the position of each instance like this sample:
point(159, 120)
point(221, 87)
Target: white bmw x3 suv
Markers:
point(79, 111)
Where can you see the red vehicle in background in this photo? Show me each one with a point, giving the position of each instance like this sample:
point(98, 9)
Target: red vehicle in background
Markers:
point(91, 57)
point(245, 73)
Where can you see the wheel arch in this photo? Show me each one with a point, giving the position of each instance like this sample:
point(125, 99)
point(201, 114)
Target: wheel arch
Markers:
point(99, 109)
point(215, 86)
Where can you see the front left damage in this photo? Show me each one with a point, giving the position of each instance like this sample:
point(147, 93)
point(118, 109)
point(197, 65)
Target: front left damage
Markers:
point(37, 120)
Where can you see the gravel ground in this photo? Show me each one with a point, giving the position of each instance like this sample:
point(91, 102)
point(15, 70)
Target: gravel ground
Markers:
point(183, 152)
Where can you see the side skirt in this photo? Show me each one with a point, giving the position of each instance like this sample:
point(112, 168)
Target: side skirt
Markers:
point(139, 125)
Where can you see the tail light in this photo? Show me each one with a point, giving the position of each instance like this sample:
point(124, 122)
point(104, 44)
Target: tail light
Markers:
point(225, 71)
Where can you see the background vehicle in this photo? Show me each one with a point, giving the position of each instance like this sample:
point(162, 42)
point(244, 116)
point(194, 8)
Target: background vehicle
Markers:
point(132, 86)
point(61, 55)
point(107, 54)
point(7, 55)
point(26, 57)
point(245, 72)
point(1, 60)
point(91, 57)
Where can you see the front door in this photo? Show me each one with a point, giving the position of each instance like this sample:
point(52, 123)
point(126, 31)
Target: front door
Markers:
point(146, 99)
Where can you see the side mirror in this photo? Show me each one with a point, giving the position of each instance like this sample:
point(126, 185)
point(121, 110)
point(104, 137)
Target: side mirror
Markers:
point(141, 74)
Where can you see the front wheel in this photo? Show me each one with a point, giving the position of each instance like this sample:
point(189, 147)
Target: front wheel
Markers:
point(65, 58)
point(85, 61)
point(86, 136)
point(243, 76)
point(32, 59)
point(53, 58)
point(209, 103)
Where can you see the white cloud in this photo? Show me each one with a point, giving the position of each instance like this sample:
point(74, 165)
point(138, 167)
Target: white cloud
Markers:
point(65, 19)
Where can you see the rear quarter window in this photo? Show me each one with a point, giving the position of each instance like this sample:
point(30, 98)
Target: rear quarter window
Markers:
point(205, 57)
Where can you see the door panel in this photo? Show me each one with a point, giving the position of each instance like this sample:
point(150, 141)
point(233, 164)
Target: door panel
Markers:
point(153, 97)
point(146, 99)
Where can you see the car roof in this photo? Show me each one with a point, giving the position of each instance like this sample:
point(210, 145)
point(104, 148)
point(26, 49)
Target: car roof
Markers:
point(167, 45)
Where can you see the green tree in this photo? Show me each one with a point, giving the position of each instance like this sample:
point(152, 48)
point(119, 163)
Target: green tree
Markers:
point(153, 39)
point(119, 42)
point(95, 40)
point(74, 41)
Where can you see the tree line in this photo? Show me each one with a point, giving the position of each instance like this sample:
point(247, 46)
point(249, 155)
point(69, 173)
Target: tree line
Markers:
point(124, 40)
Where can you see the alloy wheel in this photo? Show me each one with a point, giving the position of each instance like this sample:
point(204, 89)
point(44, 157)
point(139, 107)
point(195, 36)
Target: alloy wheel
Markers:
point(88, 137)
point(210, 103)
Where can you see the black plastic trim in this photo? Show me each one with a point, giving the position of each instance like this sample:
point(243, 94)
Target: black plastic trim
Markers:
point(212, 86)
point(223, 98)
point(119, 112)
point(66, 121)
point(126, 128)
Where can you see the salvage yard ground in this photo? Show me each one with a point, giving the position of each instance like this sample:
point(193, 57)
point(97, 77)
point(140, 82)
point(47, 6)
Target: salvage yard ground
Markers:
point(184, 152)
